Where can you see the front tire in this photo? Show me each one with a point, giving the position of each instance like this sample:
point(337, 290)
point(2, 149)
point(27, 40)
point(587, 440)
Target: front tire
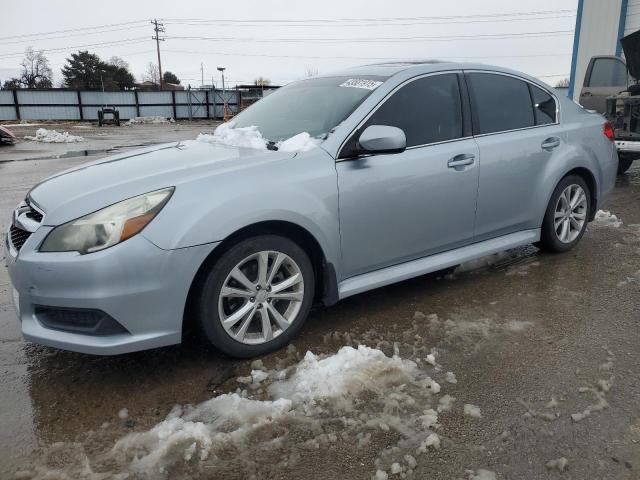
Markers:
point(256, 297)
point(566, 216)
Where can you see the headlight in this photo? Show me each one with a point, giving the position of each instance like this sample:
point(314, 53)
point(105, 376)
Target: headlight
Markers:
point(107, 227)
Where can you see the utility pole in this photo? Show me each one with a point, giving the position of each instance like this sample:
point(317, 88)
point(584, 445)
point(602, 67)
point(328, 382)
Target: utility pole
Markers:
point(158, 28)
point(202, 74)
point(224, 97)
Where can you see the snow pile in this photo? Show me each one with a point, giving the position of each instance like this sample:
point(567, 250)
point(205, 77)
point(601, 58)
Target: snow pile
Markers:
point(52, 136)
point(345, 374)
point(250, 137)
point(302, 142)
point(226, 134)
point(606, 218)
point(366, 391)
point(192, 432)
point(481, 474)
point(472, 411)
point(558, 463)
point(153, 119)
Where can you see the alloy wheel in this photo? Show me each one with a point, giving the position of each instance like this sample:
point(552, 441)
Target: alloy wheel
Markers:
point(261, 297)
point(570, 213)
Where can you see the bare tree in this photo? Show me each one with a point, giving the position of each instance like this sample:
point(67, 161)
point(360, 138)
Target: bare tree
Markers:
point(151, 74)
point(564, 83)
point(311, 71)
point(262, 82)
point(118, 62)
point(36, 72)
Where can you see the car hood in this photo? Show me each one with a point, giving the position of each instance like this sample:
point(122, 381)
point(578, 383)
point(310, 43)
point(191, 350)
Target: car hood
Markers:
point(95, 185)
point(631, 47)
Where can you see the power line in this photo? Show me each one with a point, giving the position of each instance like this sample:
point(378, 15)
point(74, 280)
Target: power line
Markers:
point(380, 19)
point(441, 38)
point(126, 41)
point(39, 34)
point(219, 23)
point(335, 57)
point(73, 35)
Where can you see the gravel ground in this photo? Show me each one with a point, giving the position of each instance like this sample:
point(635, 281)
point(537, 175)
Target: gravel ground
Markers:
point(532, 339)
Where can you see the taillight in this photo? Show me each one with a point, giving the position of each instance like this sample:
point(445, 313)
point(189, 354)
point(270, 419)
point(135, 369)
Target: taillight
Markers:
point(608, 131)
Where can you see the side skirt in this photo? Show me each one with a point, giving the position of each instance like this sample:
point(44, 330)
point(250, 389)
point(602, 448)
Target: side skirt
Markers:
point(433, 263)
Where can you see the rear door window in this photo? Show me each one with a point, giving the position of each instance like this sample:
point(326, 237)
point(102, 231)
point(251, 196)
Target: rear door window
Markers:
point(499, 103)
point(544, 106)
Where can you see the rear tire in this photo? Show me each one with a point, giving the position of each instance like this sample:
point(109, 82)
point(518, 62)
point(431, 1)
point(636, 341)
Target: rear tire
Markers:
point(624, 163)
point(564, 224)
point(256, 314)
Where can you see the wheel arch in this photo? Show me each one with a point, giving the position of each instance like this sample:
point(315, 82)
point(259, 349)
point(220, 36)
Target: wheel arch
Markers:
point(590, 179)
point(326, 292)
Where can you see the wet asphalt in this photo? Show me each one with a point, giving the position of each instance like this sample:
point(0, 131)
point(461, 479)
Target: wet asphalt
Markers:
point(575, 318)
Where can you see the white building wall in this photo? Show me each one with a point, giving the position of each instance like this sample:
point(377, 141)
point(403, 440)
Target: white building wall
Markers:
point(598, 35)
point(632, 23)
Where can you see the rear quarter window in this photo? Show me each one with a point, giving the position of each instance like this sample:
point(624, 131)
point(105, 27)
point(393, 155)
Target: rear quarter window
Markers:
point(544, 106)
point(499, 103)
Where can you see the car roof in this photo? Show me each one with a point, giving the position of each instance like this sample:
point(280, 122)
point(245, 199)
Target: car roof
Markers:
point(420, 66)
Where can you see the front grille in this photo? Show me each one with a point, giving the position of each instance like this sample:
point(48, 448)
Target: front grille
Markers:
point(18, 237)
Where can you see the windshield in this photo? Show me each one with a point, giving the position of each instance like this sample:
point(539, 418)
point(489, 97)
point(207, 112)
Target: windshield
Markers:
point(315, 106)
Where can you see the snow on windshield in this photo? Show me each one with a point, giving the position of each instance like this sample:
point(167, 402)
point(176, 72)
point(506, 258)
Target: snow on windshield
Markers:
point(250, 137)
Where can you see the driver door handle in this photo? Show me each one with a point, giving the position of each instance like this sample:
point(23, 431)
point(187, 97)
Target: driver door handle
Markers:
point(461, 160)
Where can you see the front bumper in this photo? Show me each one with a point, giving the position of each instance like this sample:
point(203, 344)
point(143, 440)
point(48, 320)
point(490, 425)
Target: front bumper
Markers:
point(141, 286)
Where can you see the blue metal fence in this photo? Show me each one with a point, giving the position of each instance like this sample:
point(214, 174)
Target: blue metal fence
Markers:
point(60, 104)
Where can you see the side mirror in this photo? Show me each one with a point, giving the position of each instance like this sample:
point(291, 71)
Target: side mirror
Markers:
point(382, 139)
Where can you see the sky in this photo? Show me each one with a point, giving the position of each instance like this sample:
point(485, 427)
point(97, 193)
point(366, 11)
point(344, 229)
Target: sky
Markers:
point(285, 40)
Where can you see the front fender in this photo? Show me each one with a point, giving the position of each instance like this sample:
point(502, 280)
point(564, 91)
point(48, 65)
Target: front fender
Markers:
point(302, 190)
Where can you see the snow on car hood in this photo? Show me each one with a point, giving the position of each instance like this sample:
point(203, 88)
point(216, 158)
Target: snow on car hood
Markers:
point(250, 137)
point(95, 185)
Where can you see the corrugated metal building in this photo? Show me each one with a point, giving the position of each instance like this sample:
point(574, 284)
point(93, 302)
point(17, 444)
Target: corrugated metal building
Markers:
point(599, 27)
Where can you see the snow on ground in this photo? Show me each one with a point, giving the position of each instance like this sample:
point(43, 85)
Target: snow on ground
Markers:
point(357, 392)
point(153, 119)
point(52, 136)
point(606, 218)
point(250, 137)
point(481, 474)
point(472, 410)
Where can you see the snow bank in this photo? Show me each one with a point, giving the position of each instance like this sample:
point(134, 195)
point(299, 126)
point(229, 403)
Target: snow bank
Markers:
point(154, 119)
point(195, 432)
point(606, 218)
point(250, 137)
point(347, 373)
point(51, 136)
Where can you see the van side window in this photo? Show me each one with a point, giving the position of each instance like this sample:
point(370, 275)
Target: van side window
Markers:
point(608, 72)
point(499, 103)
point(544, 106)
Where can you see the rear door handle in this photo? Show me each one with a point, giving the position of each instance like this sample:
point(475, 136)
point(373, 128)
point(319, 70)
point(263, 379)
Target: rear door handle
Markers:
point(550, 143)
point(461, 160)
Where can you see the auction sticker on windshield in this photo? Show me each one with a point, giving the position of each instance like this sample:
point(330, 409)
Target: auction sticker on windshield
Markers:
point(361, 83)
